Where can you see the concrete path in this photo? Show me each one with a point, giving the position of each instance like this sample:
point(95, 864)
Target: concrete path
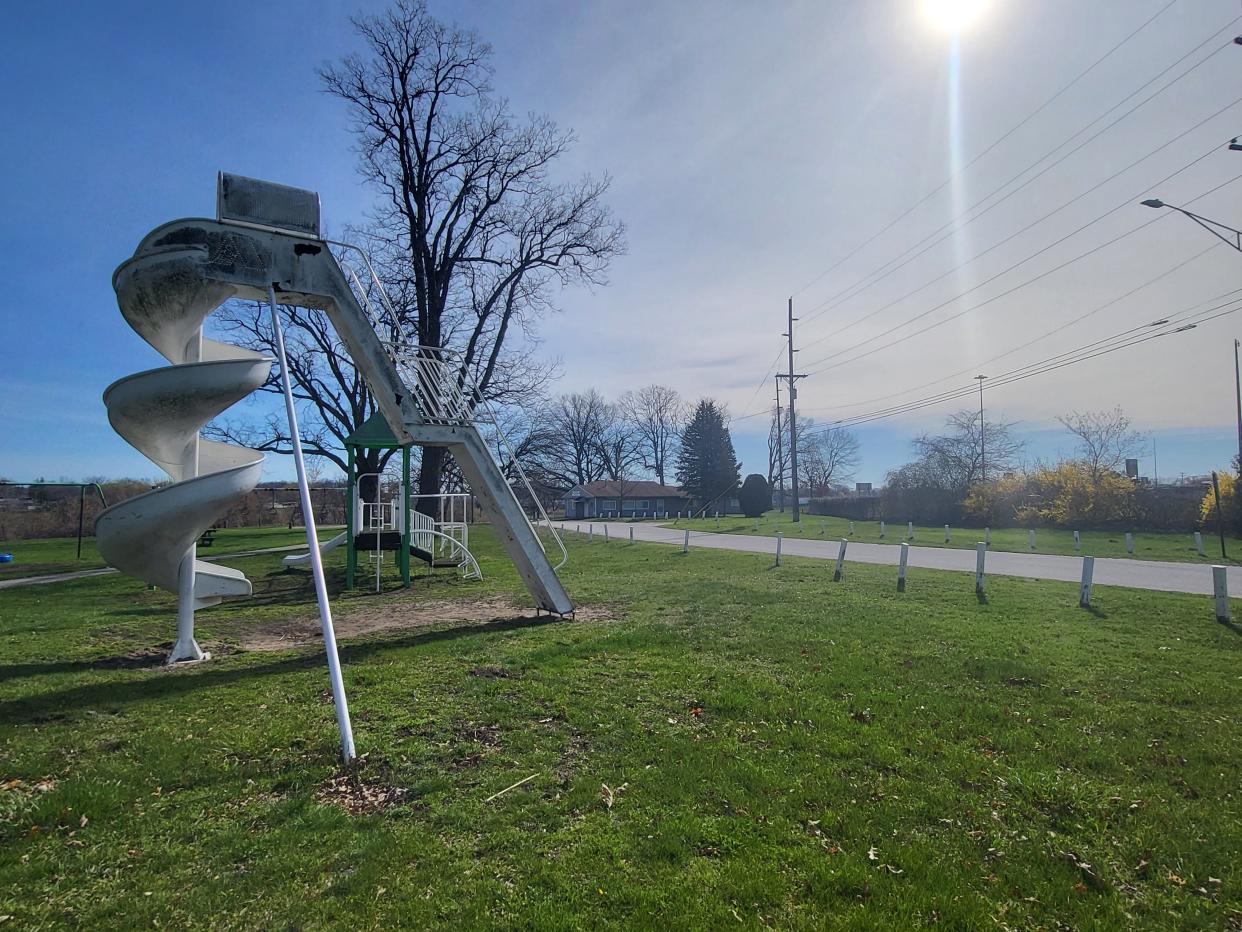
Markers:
point(1194, 578)
point(107, 570)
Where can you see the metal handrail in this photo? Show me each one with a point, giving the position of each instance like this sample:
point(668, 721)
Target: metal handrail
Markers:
point(460, 410)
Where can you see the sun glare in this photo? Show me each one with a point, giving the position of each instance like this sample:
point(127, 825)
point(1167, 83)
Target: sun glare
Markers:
point(952, 16)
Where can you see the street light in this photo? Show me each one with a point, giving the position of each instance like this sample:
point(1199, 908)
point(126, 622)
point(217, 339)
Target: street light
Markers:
point(983, 449)
point(1214, 227)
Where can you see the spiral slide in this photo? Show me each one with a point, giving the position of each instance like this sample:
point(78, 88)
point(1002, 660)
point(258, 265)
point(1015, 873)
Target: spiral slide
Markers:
point(299, 559)
point(266, 239)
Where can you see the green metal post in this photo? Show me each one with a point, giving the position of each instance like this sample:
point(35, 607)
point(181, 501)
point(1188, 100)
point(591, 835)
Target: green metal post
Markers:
point(351, 555)
point(405, 518)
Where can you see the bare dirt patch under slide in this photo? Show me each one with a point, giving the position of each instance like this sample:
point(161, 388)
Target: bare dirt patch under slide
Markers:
point(394, 616)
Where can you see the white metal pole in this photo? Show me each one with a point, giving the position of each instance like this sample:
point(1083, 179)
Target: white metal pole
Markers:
point(1077, 541)
point(631, 533)
point(946, 534)
point(605, 533)
point(1030, 538)
point(186, 648)
point(836, 574)
point(909, 530)
point(312, 543)
point(1220, 586)
point(981, 552)
point(1084, 589)
point(1129, 543)
point(1199, 543)
point(779, 538)
point(901, 567)
point(987, 536)
point(685, 543)
point(881, 530)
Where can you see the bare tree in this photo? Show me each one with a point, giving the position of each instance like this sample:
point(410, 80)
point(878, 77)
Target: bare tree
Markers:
point(657, 414)
point(778, 456)
point(953, 460)
point(826, 456)
point(568, 448)
point(1105, 439)
point(477, 236)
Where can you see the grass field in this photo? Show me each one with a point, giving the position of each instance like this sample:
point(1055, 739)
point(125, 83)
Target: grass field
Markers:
point(59, 554)
point(1148, 545)
point(715, 743)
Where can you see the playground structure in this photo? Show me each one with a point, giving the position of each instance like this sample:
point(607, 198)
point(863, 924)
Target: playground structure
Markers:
point(265, 244)
point(394, 524)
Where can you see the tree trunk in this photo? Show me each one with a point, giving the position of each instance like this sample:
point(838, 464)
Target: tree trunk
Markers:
point(430, 471)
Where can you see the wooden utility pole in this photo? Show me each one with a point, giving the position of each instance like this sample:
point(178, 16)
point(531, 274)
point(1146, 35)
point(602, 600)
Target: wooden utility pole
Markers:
point(793, 419)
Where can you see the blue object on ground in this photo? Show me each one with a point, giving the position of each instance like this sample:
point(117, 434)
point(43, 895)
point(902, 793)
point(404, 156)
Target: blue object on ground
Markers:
point(6, 558)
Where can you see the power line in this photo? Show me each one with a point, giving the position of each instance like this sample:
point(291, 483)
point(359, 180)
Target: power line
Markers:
point(909, 210)
point(952, 226)
point(1060, 327)
point(1015, 288)
point(1092, 350)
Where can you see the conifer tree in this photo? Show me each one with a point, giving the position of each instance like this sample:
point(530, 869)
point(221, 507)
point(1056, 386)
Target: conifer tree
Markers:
point(707, 465)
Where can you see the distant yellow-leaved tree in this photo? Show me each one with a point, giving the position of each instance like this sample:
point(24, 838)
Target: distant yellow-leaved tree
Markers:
point(1207, 507)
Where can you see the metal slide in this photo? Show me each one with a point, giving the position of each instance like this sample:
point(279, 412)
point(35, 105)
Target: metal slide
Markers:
point(298, 559)
point(265, 235)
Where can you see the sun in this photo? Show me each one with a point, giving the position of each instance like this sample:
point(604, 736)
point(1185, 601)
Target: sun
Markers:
point(952, 16)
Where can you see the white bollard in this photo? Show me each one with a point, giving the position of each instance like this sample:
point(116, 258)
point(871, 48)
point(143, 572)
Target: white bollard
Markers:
point(1030, 538)
point(851, 529)
point(981, 550)
point(756, 525)
point(577, 528)
point(1129, 543)
point(1077, 541)
point(591, 532)
point(987, 536)
point(909, 530)
point(946, 534)
point(881, 530)
point(1199, 544)
point(836, 574)
point(631, 534)
point(605, 533)
point(779, 538)
point(685, 543)
point(823, 526)
point(901, 567)
point(717, 519)
point(1220, 587)
point(1084, 588)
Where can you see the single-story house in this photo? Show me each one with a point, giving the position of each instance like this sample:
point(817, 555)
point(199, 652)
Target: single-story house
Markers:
point(606, 497)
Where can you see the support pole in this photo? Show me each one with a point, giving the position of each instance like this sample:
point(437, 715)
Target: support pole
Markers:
point(779, 538)
point(1077, 541)
point(1220, 588)
point(1084, 588)
point(836, 573)
point(631, 534)
point(351, 552)
point(901, 567)
point(186, 648)
point(1220, 515)
point(405, 516)
point(1129, 543)
point(81, 512)
point(1199, 544)
point(793, 424)
point(1030, 538)
point(685, 542)
point(312, 543)
point(981, 552)
point(881, 530)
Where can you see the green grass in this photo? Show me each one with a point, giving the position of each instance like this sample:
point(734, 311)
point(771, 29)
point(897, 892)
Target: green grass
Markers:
point(59, 554)
point(781, 751)
point(1148, 545)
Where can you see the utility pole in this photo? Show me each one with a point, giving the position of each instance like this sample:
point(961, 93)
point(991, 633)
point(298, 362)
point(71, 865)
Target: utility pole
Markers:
point(793, 419)
point(780, 447)
point(1237, 384)
point(983, 447)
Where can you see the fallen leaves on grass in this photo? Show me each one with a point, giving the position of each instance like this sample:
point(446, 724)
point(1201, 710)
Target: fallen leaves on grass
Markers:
point(1089, 875)
point(359, 793)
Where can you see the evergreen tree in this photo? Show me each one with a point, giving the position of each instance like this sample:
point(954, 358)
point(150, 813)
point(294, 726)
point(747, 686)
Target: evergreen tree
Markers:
point(707, 465)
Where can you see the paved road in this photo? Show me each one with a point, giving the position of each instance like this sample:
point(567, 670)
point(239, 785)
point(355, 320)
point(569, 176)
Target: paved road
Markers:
point(107, 570)
point(1136, 574)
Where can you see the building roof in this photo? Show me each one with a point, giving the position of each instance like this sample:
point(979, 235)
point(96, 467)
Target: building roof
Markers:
point(636, 488)
point(373, 433)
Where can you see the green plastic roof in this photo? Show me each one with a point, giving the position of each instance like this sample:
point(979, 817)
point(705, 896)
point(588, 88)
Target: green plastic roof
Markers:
point(373, 434)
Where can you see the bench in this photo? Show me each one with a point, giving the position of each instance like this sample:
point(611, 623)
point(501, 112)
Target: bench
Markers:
point(208, 538)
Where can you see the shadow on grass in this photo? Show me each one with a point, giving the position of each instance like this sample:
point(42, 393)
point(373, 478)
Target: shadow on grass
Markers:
point(64, 704)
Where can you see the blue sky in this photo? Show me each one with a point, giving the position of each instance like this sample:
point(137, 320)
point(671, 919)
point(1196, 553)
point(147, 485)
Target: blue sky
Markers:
point(751, 146)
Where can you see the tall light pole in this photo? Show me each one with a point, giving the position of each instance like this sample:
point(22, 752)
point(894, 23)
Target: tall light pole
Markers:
point(1232, 237)
point(983, 449)
point(792, 419)
point(1237, 386)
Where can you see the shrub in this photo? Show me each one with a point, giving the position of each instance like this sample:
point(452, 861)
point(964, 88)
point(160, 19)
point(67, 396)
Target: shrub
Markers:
point(755, 497)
